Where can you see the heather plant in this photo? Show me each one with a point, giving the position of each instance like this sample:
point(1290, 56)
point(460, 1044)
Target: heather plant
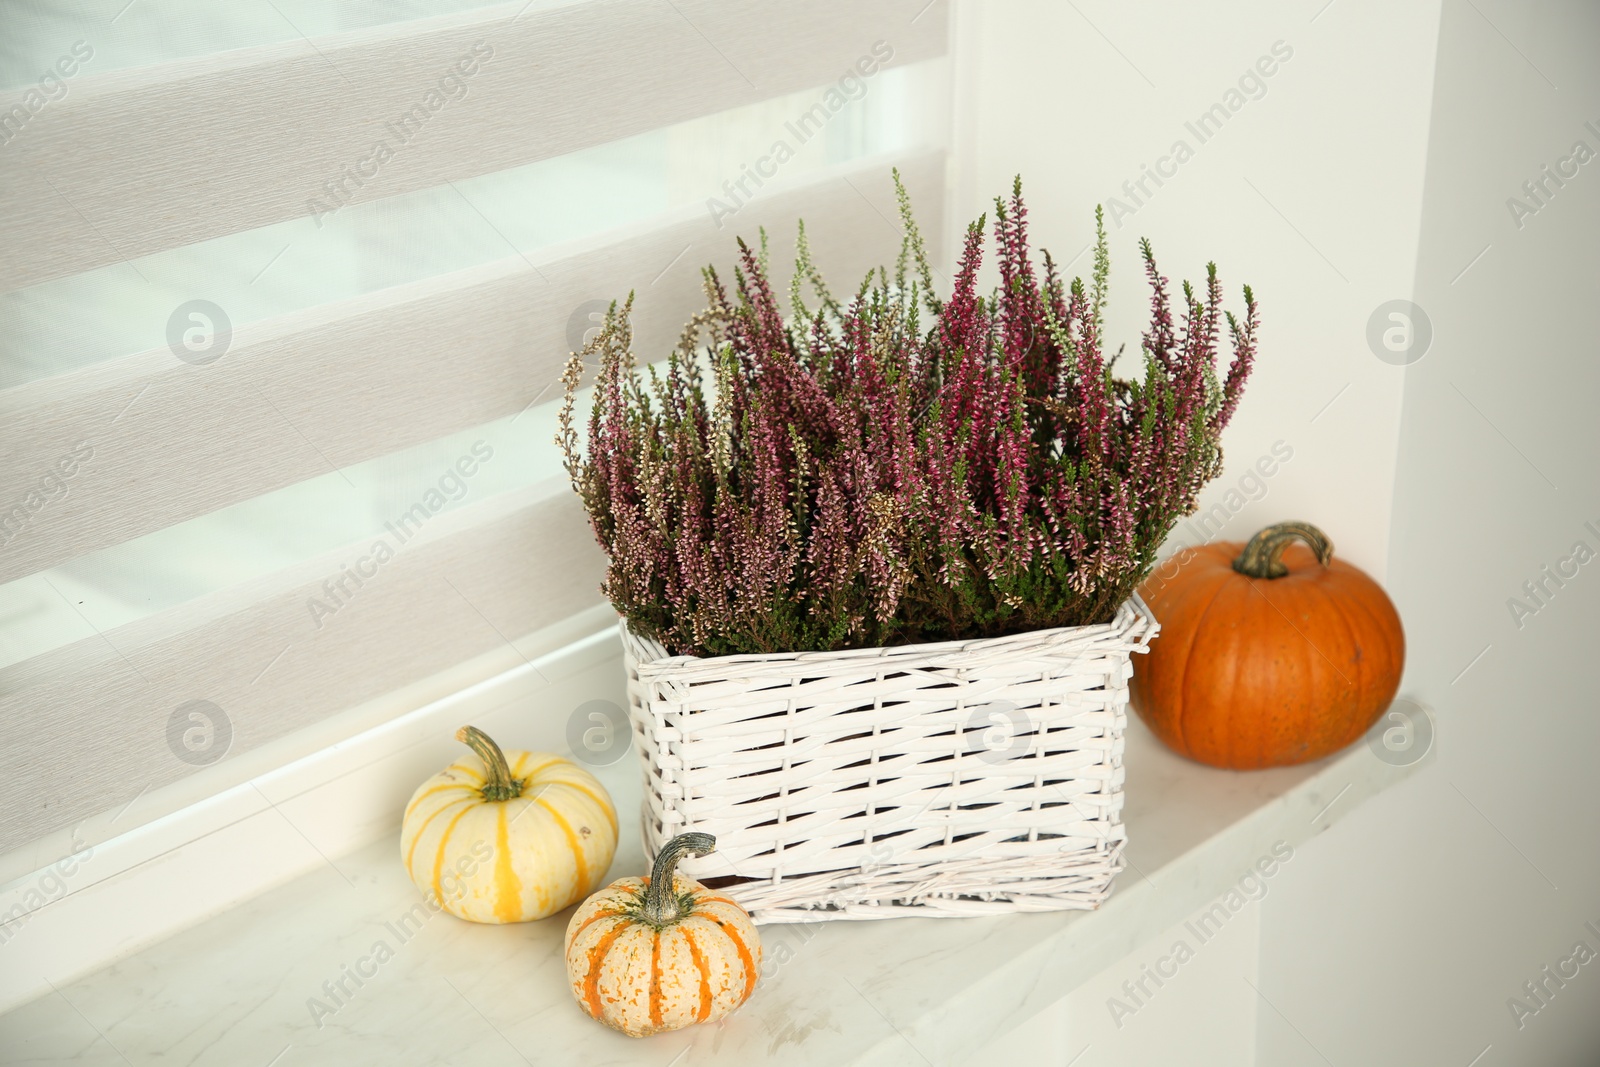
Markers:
point(893, 467)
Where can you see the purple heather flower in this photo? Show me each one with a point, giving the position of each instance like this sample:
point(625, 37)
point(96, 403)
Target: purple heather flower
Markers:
point(895, 467)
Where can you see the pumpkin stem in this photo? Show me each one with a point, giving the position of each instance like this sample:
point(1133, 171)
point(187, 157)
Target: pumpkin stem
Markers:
point(660, 902)
point(499, 785)
point(1263, 556)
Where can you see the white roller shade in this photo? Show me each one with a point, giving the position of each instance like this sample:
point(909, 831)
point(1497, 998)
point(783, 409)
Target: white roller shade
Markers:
point(123, 453)
point(178, 440)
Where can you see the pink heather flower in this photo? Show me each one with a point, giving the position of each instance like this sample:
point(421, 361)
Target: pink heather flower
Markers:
point(896, 467)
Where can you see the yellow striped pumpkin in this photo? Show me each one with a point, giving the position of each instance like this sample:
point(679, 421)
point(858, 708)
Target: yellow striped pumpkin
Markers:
point(651, 954)
point(508, 837)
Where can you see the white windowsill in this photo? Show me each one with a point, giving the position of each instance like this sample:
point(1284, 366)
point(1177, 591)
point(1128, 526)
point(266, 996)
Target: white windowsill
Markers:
point(233, 984)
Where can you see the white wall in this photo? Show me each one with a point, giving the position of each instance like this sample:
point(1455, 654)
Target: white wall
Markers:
point(1312, 192)
point(1406, 931)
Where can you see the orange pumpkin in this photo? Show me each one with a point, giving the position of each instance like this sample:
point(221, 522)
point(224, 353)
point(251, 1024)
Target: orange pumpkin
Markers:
point(655, 954)
point(1270, 653)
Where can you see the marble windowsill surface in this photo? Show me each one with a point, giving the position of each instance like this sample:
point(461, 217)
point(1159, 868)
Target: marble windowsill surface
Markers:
point(237, 988)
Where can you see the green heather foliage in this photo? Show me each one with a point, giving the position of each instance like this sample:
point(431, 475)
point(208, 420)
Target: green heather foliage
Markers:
point(890, 467)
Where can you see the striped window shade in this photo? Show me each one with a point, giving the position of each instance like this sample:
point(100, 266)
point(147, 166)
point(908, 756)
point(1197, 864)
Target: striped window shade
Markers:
point(285, 295)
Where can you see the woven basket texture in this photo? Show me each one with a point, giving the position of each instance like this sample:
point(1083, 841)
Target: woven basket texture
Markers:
point(950, 779)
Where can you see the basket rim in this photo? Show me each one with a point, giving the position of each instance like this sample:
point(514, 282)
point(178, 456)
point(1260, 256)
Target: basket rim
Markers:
point(1133, 621)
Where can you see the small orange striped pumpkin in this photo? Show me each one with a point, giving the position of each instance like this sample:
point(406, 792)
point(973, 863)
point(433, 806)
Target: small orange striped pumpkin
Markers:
point(643, 959)
point(509, 836)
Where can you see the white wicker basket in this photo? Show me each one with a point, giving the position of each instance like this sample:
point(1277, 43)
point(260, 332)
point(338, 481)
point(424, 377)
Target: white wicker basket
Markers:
point(949, 779)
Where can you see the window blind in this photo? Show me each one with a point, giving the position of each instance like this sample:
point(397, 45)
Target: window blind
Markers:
point(191, 504)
